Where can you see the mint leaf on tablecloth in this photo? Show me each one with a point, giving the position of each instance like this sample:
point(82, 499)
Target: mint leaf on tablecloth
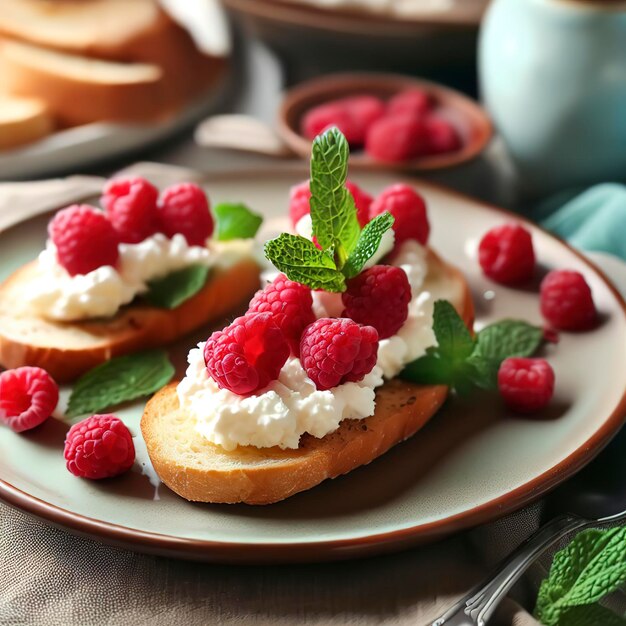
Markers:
point(333, 212)
point(177, 287)
point(236, 221)
point(589, 568)
point(304, 263)
point(120, 380)
point(367, 244)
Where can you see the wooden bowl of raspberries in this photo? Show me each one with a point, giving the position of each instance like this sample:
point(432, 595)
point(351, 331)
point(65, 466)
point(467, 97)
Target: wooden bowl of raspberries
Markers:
point(390, 121)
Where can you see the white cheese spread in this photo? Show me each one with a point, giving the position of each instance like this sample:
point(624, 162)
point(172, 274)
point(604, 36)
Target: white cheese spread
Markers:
point(57, 295)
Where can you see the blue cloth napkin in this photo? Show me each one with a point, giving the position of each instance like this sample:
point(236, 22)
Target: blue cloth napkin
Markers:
point(594, 220)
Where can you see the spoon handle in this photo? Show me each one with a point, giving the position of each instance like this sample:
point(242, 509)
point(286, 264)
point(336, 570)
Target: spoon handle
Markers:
point(481, 602)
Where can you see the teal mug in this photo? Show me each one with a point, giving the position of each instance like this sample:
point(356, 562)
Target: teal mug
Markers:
point(553, 77)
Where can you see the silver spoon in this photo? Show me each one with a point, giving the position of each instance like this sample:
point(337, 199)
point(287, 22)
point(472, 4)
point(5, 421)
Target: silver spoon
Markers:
point(594, 497)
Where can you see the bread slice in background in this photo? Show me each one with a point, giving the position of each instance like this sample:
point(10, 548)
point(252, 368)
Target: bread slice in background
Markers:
point(201, 471)
point(79, 90)
point(23, 120)
point(68, 349)
point(126, 31)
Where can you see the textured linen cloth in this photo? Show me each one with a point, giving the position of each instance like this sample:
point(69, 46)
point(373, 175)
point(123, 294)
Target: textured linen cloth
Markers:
point(50, 577)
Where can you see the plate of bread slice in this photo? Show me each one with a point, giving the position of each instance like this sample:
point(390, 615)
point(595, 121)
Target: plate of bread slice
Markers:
point(409, 365)
point(88, 81)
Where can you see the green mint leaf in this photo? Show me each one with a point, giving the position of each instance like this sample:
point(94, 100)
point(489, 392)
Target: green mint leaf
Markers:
point(236, 221)
point(454, 340)
point(508, 338)
point(483, 372)
point(445, 364)
point(589, 615)
point(120, 380)
point(589, 568)
point(367, 244)
point(172, 290)
point(333, 212)
point(430, 369)
point(302, 262)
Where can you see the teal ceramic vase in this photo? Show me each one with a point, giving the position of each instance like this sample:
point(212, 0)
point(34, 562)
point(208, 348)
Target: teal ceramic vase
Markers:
point(553, 77)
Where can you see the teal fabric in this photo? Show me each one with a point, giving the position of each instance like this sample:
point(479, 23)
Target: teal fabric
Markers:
point(594, 220)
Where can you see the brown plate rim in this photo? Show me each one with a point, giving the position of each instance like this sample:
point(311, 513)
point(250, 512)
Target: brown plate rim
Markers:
point(346, 82)
point(367, 545)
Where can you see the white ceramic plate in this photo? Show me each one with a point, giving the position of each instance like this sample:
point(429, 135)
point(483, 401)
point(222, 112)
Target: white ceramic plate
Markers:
point(472, 463)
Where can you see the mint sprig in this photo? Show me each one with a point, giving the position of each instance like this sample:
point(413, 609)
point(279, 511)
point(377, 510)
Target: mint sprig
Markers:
point(236, 221)
point(367, 244)
point(592, 566)
point(345, 248)
point(303, 262)
point(120, 380)
point(333, 212)
point(175, 288)
point(461, 361)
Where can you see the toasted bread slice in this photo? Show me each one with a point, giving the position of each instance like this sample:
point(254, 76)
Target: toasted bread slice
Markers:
point(23, 120)
point(68, 349)
point(200, 471)
point(79, 90)
point(115, 30)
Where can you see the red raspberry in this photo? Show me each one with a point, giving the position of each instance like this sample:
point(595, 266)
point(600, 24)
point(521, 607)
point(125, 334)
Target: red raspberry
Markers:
point(131, 206)
point(526, 385)
point(506, 254)
point(100, 446)
point(28, 396)
point(247, 355)
point(299, 198)
point(291, 306)
point(362, 201)
point(335, 351)
point(378, 296)
point(397, 139)
point(184, 209)
point(442, 136)
point(301, 195)
point(365, 110)
point(566, 301)
point(413, 102)
point(84, 238)
point(408, 209)
point(325, 116)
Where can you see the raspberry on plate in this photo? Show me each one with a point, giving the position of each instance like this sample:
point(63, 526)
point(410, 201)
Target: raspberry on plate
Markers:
point(414, 102)
point(184, 209)
point(247, 355)
point(100, 446)
point(442, 136)
point(84, 238)
point(379, 297)
point(291, 306)
point(526, 385)
point(28, 396)
point(325, 116)
point(131, 206)
point(567, 302)
point(408, 209)
point(506, 254)
point(336, 350)
point(300, 197)
point(397, 139)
